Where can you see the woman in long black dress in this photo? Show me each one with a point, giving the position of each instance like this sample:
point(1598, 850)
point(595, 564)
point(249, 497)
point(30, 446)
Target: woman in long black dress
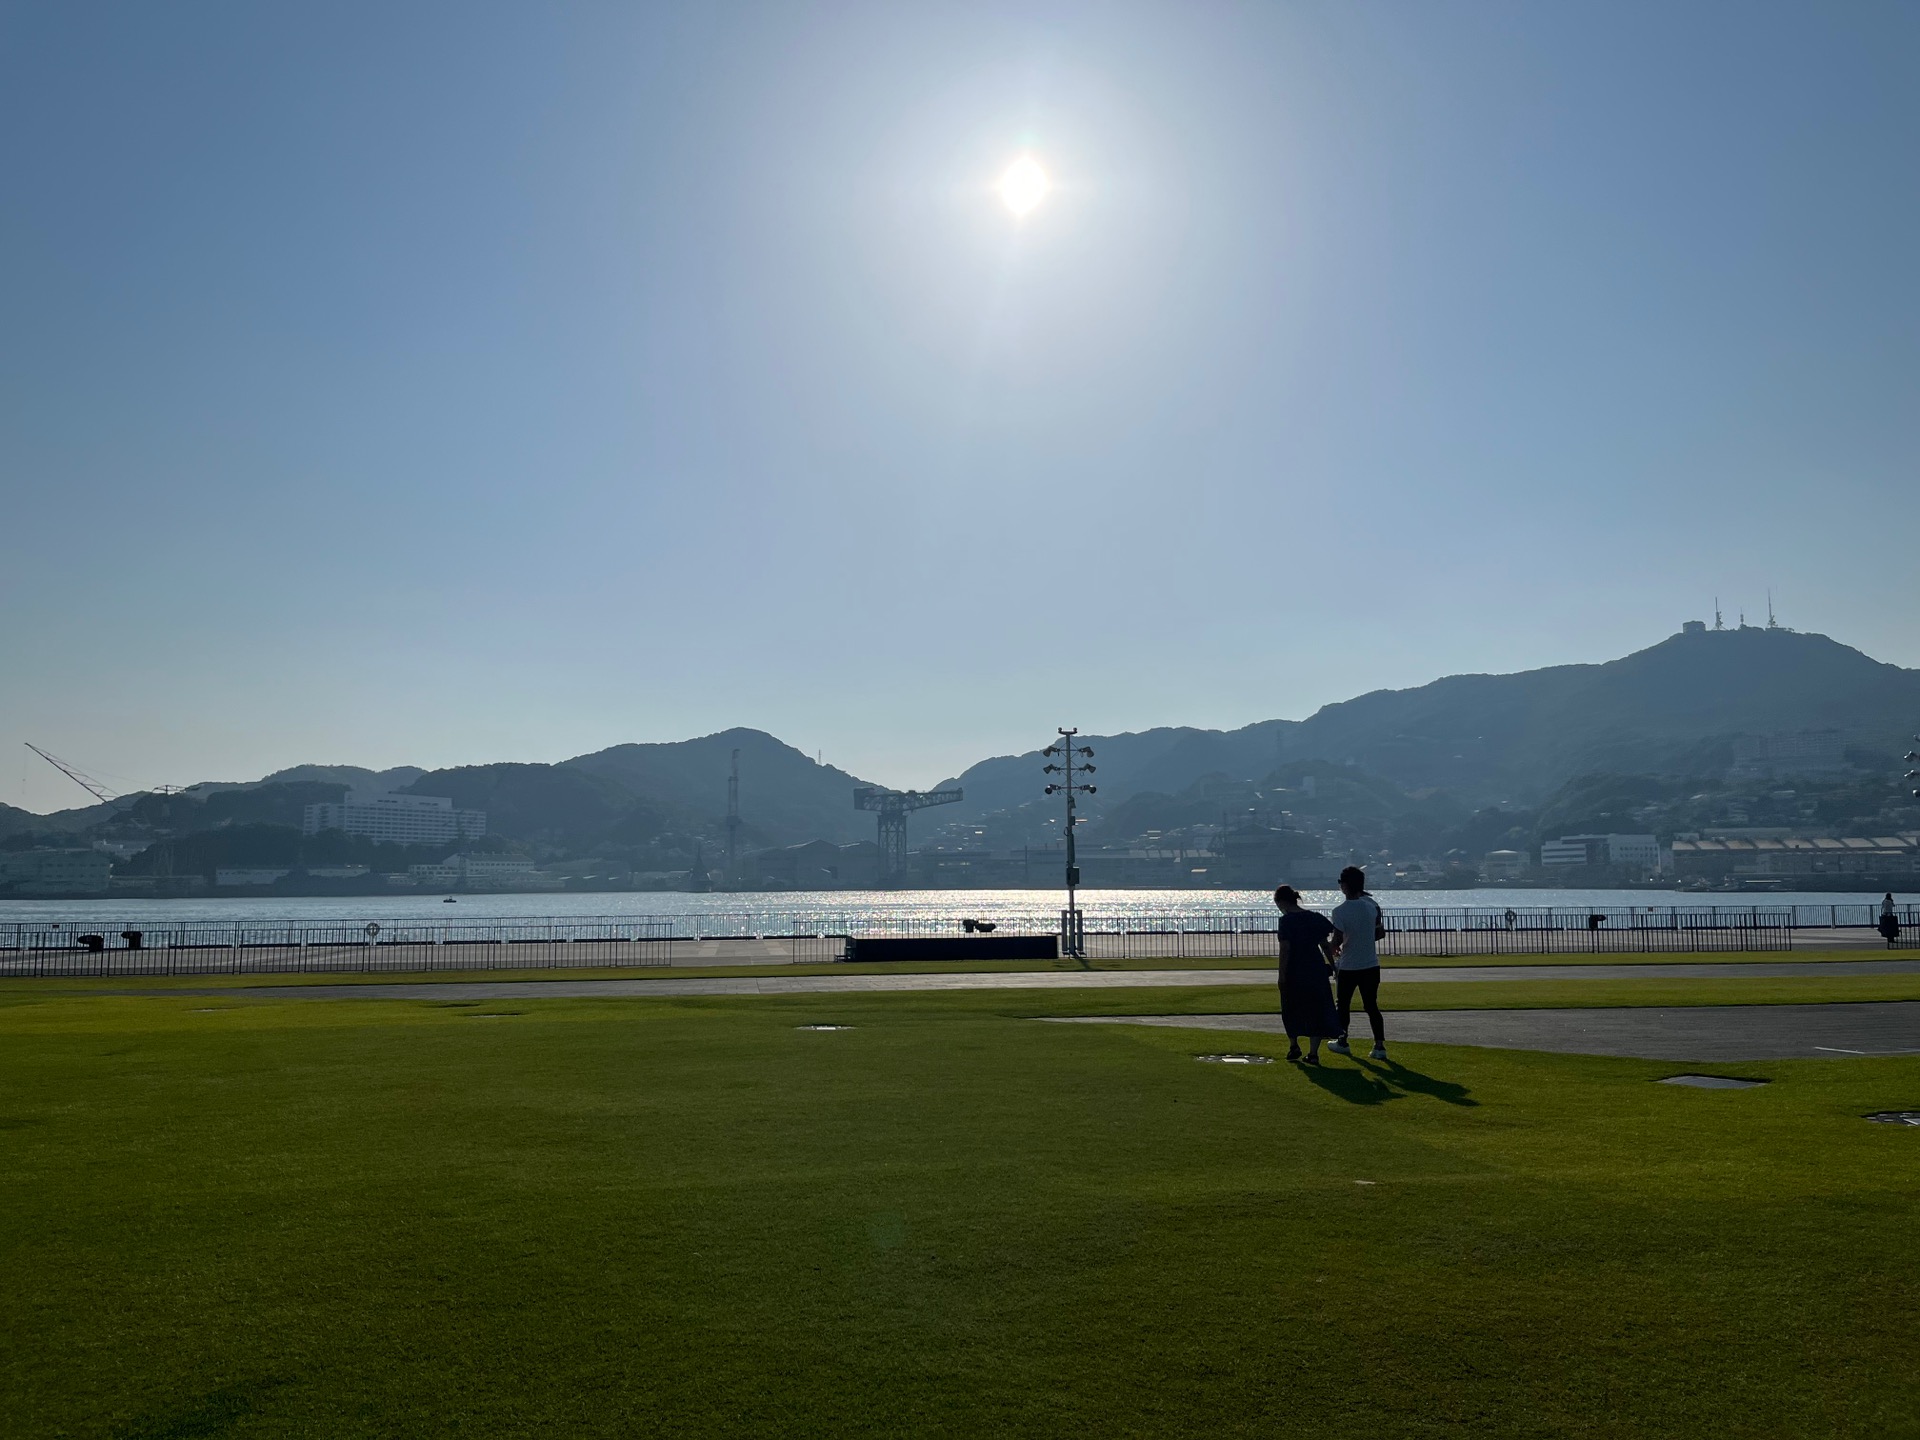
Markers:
point(1306, 962)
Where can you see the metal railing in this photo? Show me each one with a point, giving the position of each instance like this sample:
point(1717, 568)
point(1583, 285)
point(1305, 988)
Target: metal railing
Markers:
point(1552, 932)
point(133, 948)
point(1463, 932)
point(305, 947)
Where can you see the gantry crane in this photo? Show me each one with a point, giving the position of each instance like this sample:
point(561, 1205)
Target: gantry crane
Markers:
point(893, 807)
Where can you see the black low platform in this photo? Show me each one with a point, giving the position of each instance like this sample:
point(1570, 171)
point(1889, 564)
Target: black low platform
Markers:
point(954, 947)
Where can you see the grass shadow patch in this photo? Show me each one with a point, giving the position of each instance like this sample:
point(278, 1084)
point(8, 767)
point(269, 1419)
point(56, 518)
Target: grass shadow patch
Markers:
point(215, 1413)
point(1415, 1083)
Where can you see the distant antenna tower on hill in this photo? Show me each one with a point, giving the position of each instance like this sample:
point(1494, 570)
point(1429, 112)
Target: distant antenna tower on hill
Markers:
point(1718, 623)
point(733, 821)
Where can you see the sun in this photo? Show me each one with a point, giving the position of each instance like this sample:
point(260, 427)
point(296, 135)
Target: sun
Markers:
point(1024, 186)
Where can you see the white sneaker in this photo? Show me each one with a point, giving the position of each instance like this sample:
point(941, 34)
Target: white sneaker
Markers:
point(1379, 1053)
point(1339, 1047)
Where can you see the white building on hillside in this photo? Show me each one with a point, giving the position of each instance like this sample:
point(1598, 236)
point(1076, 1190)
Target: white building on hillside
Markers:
point(398, 819)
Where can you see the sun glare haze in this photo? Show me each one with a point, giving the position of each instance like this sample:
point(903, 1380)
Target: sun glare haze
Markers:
point(1024, 186)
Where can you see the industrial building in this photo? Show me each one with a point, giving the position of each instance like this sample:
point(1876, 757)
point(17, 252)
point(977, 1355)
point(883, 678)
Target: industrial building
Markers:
point(482, 872)
point(56, 872)
point(1740, 857)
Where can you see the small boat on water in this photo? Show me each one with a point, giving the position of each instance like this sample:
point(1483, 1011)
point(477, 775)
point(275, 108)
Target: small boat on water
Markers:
point(449, 901)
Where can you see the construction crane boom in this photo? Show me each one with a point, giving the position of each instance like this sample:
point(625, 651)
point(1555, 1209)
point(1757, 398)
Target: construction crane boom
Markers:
point(79, 777)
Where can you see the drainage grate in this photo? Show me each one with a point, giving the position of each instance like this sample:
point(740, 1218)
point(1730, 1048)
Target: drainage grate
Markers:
point(823, 1027)
point(1895, 1117)
point(1712, 1082)
point(1236, 1059)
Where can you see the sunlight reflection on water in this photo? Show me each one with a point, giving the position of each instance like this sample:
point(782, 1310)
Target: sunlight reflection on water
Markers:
point(807, 911)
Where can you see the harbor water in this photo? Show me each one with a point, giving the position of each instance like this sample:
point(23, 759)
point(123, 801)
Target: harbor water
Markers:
point(842, 911)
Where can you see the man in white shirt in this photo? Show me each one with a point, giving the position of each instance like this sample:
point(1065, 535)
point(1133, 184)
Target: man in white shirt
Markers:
point(1357, 959)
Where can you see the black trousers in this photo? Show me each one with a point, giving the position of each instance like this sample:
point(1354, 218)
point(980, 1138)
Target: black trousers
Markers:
point(1367, 982)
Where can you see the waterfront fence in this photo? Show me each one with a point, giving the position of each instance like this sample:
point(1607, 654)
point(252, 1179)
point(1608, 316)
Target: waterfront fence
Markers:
point(307, 947)
point(136, 948)
point(1457, 932)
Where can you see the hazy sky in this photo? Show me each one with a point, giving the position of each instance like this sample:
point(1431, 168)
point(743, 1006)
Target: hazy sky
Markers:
point(431, 384)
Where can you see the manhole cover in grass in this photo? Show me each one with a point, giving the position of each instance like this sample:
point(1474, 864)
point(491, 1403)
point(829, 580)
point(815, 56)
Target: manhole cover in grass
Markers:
point(1895, 1117)
point(823, 1027)
point(1236, 1059)
point(495, 1015)
point(1712, 1082)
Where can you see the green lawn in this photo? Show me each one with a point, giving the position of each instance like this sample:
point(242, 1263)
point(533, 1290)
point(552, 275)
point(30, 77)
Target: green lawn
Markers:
point(686, 1216)
point(1490, 994)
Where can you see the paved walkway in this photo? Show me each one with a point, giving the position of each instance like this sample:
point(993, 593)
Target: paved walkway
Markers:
point(1024, 980)
point(1705, 1032)
point(1849, 937)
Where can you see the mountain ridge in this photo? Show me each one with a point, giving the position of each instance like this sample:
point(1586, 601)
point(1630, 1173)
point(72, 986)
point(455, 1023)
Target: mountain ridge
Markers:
point(1515, 737)
point(1677, 706)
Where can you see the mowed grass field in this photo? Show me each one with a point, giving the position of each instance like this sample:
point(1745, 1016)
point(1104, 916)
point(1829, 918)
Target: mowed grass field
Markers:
point(221, 1216)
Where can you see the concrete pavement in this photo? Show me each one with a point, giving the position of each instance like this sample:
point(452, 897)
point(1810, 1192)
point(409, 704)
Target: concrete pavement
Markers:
point(883, 981)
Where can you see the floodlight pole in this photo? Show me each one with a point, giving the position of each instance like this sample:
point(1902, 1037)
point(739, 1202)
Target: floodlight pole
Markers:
point(1071, 757)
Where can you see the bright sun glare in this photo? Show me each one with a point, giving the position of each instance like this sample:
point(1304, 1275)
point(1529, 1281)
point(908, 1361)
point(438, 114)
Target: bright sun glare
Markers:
point(1024, 185)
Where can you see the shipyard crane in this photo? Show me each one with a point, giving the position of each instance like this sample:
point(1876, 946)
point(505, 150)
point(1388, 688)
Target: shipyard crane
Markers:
point(893, 807)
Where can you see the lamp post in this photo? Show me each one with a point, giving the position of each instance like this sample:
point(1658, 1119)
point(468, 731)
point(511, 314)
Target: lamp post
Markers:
point(1071, 757)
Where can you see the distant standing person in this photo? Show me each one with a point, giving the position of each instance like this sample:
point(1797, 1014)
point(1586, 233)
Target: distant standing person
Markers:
point(1357, 923)
point(1306, 958)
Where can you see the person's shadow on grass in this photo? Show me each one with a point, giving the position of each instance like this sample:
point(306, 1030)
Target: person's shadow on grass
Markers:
point(1376, 1082)
point(1414, 1083)
point(1356, 1087)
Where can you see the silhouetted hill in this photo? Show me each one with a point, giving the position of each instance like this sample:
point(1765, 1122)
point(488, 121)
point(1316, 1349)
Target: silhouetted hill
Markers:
point(784, 795)
point(351, 776)
point(1167, 761)
point(344, 777)
point(1675, 706)
point(1520, 736)
point(556, 804)
point(15, 821)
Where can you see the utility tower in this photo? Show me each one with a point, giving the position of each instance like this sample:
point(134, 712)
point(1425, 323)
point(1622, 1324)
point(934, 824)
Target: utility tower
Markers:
point(893, 807)
point(733, 822)
point(1072, 757)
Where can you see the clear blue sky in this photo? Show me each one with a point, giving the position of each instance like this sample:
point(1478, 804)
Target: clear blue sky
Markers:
point(435, 384)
